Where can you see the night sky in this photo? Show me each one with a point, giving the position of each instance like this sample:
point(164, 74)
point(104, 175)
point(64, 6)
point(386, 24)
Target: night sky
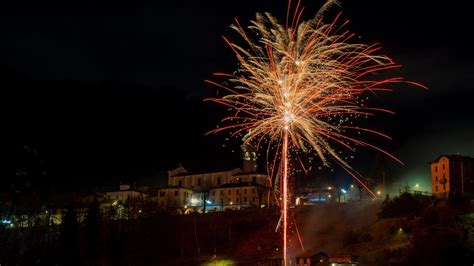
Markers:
point(113, 91)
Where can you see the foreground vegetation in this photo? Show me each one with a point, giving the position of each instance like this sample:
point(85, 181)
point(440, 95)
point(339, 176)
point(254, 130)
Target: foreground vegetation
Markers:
point(407, 229)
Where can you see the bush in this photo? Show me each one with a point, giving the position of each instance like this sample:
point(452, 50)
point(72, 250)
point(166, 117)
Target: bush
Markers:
point(401, 206)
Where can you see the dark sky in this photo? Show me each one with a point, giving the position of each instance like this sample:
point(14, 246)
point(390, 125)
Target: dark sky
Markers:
point(112, 90)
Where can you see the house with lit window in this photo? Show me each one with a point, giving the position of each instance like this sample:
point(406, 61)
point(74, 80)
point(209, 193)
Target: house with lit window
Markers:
point(122, 203)
point(452, 175)
point(175, 197)
point(237, 195)
point(125, 193)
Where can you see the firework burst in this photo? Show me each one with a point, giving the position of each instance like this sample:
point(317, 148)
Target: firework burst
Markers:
point(300, 87)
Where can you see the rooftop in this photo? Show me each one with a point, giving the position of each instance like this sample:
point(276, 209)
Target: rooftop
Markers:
point(124, 191)
point(249, 173)
point(453, 156)
point(239, 184)
point(175, 187)
point(206, 172)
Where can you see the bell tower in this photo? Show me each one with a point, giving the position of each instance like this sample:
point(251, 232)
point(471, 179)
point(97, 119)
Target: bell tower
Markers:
point(250, 158)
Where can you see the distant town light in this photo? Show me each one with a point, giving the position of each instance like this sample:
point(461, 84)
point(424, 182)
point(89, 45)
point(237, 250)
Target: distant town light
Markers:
point(139, 211)
point(343, 191)
point(6, 222)
point(329, 187)
point(352, 186)
point(298, 201)
point(208, 202)
point(231, 203)
point(194, 201)
point(329, 195)
point(417, 185)
point(378, 192)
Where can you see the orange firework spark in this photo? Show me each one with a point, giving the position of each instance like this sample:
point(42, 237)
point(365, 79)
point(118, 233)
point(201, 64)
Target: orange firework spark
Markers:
point(300, 86)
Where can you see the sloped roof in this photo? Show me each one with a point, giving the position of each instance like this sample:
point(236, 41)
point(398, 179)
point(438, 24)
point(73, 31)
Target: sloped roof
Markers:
point(452, 156)
point(205, 172)
point(175, 187)
point(248, 173)
point(127, 190)
point(238, 184)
